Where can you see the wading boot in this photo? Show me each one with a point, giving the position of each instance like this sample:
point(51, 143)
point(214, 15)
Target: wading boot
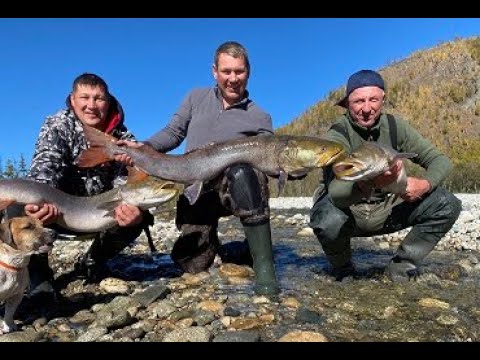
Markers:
point(259, 239)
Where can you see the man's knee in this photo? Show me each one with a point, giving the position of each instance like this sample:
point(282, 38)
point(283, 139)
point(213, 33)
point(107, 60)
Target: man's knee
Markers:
point(244, 187)
point(195, 249)
point(327, 220)
point(249, 199)
point(442, 203)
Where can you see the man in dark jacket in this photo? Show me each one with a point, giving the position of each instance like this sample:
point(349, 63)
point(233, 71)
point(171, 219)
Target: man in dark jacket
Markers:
point(343, 209)
point(59, 143)
point(223, 112)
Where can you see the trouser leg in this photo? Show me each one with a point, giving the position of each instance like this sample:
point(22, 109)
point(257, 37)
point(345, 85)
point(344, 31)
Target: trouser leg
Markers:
point(195, 249)
point(333, 228)
point(108, 244)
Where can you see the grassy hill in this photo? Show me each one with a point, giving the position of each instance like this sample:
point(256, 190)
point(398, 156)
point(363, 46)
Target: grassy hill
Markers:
point(438, 91)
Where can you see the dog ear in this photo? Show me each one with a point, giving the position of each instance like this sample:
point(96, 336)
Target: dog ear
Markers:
point(6, 233)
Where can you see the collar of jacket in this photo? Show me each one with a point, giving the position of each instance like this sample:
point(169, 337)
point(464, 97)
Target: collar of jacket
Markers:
point(242, 103)
point(368, 134)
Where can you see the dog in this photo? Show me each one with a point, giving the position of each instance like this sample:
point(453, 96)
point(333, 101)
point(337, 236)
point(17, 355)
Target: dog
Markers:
point(20, 237)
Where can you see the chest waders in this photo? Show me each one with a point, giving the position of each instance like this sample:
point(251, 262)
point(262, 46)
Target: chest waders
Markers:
point(430, 218)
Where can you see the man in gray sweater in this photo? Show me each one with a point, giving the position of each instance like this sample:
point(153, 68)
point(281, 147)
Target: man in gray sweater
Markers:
point(217, 114)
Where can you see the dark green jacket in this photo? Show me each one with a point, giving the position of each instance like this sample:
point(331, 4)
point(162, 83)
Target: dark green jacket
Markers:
point(436, 164)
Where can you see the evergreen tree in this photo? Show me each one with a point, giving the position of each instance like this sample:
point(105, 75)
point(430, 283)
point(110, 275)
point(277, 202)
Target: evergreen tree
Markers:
point(22, 169)
point(10, 171)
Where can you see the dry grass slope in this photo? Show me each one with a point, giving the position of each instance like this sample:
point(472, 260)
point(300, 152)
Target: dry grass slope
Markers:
point(438, 91)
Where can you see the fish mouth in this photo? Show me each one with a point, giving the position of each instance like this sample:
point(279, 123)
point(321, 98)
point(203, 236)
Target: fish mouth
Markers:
point(169, 190)
point(339, 155)
point(168, 185)
point(346, 170)
point(327, 158)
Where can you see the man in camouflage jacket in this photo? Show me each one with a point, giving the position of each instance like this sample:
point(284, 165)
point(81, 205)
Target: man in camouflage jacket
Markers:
point(59, 143)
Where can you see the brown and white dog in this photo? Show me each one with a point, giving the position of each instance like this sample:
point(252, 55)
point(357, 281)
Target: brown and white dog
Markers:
point(20, 237)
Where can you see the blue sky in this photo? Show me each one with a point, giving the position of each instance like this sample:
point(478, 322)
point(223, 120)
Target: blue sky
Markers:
point(151, 64)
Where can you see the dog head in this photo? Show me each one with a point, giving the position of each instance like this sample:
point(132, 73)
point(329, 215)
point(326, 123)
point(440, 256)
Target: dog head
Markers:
point(26, 234)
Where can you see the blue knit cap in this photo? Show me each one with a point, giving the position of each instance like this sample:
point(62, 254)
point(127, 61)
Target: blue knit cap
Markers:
point(361, 79)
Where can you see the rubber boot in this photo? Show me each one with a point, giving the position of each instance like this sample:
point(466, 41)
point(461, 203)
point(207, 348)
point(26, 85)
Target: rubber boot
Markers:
point(41, 279)
point(414, 248)
point(107, 244)
point(342, 265)
point(433, 218)
point(236, 252)
point(259, 239)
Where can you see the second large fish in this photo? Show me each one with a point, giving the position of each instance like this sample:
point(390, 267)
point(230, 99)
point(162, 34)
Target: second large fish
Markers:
point(370, 160)
point(277, 156)
point(87, 213)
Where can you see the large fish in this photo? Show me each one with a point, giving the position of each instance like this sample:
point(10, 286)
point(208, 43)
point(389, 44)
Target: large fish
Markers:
point(277, 156)
point(370, 160)
point(87, 214)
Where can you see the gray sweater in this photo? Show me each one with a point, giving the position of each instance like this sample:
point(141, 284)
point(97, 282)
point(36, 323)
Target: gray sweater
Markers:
point(201, 119)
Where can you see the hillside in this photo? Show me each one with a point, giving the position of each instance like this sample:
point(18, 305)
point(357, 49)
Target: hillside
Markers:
point(438, 91)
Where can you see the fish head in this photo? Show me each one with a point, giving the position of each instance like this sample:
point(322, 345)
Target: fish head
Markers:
point(151, 192)
point(365, 163)
point(306, 153)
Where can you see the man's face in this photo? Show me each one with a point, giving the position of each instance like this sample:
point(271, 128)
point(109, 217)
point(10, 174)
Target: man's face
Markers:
point(90, 104)
point(232, 77)
point(365, 105)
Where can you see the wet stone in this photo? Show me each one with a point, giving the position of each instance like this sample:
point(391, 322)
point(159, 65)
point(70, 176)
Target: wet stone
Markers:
point(238, 336)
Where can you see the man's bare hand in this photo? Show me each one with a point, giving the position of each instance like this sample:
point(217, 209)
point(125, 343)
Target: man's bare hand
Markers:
point(390, 175)
point(125, 158)
point(128, 215)
point(46, 213)
point(416, 189)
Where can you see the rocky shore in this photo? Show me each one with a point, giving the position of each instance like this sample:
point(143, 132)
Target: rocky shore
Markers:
point(148, 298)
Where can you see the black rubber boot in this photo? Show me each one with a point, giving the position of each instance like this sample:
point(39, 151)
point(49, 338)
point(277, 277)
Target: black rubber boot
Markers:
point(236, 252)
point(41, 278)
point(259, 239)
point(93, 265)
point(432, 219)
point(401, 270)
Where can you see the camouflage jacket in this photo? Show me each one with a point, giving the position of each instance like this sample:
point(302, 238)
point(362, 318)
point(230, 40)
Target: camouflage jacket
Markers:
point(59, 143)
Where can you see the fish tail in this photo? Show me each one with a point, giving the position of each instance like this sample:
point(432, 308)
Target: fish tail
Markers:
point(92, 157)
point(97, 153)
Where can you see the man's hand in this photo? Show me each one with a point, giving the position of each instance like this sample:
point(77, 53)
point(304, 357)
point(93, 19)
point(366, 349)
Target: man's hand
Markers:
point(390, 175)
point(416, 188)
point(46, 213)
point(124, 158)
point(128, 215)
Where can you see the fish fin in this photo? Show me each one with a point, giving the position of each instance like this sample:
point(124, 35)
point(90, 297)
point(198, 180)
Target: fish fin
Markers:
point(108, 206)
point(96, 153)
point(92, 157)
point(5, 203)
point(193, 191)
point(282, 180)
point(136, 175)
point(96, 137)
